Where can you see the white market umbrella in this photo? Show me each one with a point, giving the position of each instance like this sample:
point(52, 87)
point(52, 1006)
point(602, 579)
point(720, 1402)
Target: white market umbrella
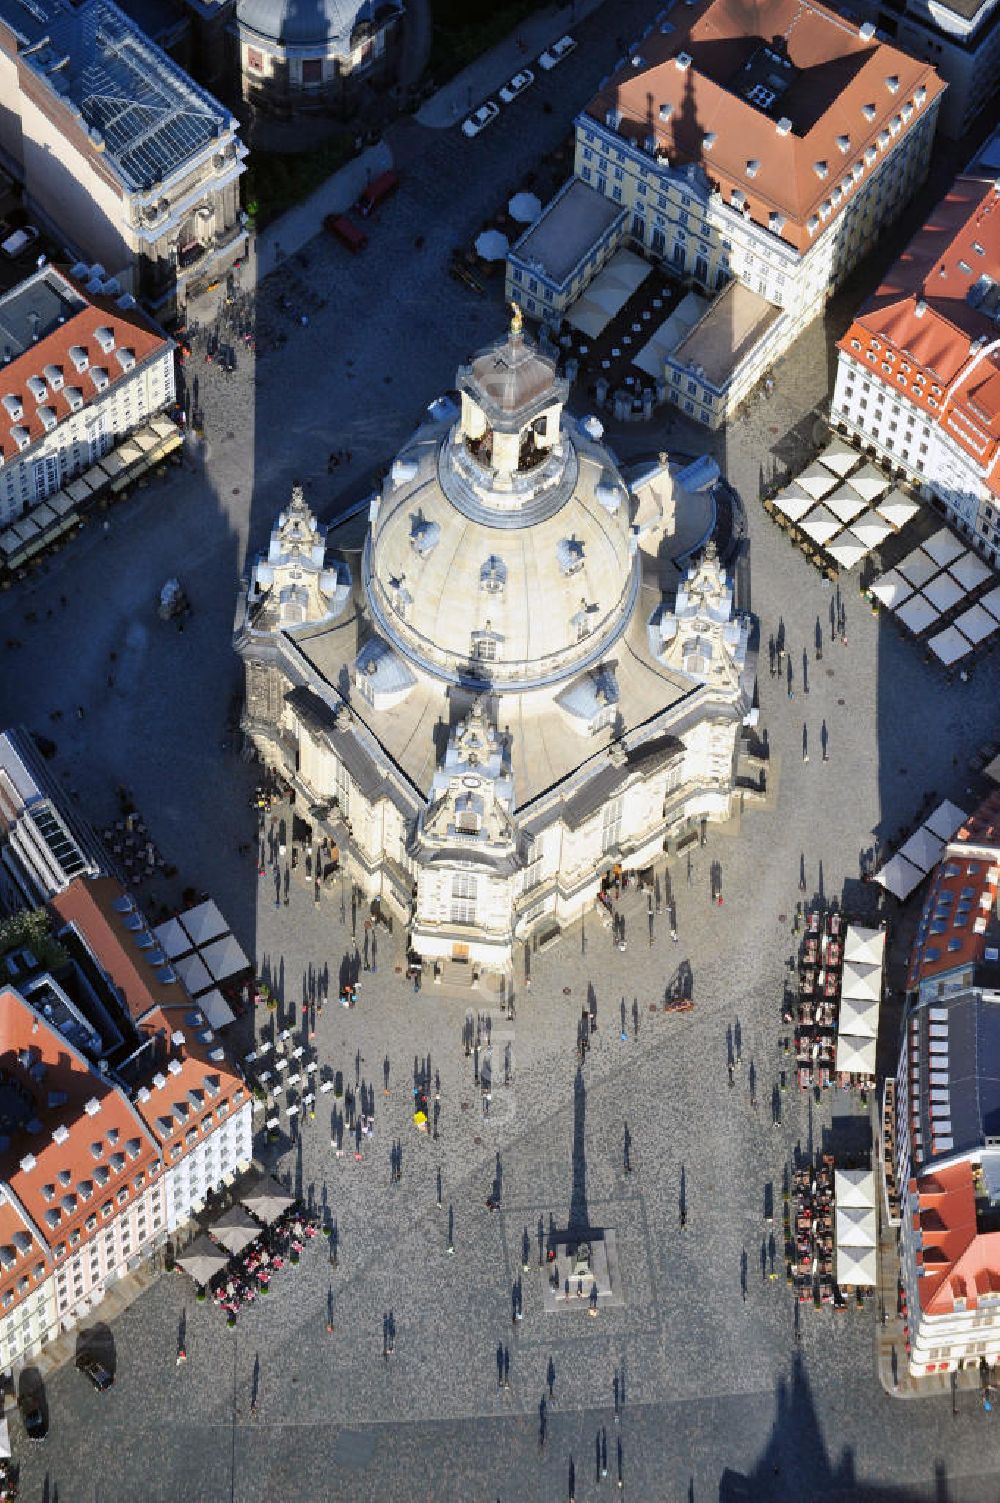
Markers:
point(969, 570)
point(923, 848)
point(899, 877)
point(944, 592)
point(871, 529)
point(525, 208)
point(856, 1267)
point(492, 246)
point(950, 646)
point(891, 589)
point(172, 939)
point(976, 624)
point(854, 1189)
point(794, 502)
point(918, 567)
point(847, 550)
point(862, 982)
point(897, 508)
point(946, 820)
point(845, 503)
point(194, 973)
point(267, 1202)
point(856, 1226)
point(944, 547)
point(204, 922)
point(202, 1260)
point(817, 481)
point(840, 457)
point(869, 483)
point(235, 1230)
point(865, 946)
point(820, 525)
point(858, 1018)
point(991, 602)
point(917, 614)
point(224, 958)
point(855, 1056)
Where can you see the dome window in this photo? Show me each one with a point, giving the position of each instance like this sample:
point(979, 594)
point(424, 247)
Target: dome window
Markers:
point(493, 575)
point(485, 644)
point(569, 552)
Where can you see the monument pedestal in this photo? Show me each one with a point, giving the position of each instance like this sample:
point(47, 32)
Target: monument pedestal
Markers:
point(583, 1276)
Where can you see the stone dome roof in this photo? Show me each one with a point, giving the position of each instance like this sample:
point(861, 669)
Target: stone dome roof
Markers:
point(503, 555)
point(307, 23)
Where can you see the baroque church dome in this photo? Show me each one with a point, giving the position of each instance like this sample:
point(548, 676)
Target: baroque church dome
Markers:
point(501, 550)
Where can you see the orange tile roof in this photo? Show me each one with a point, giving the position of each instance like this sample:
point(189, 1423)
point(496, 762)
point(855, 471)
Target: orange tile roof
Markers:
point(930, 955)
point(958, 1260)
point(131, 331)
point(922, 316)
point(89, 904)
point(74, 1141)
point(845, 95)
point(190, 1085)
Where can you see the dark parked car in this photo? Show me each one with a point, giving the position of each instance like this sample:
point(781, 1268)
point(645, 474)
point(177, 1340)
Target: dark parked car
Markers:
point(98, 1374)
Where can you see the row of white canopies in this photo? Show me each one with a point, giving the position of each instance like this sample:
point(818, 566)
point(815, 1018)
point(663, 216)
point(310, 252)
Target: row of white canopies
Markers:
point(233, 1231)
point(203, 952)
point(918, 855)
point(845, 504)
point(936, 580)
point(856, 1228)
point(860, 1000)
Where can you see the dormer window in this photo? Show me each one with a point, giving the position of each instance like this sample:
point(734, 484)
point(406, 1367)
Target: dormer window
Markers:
point(484, 645)
point(105, 338)
point(79, 357)
point(99, 376)
point(821, 169)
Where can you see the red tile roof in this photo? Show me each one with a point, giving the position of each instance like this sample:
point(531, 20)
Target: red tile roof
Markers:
point(188, 1087)
point(922, 317)
point(75, 1142)
point(89, 904)
point(958, 1260)
point(970, 866)
point(130, 330)
point(846, 97)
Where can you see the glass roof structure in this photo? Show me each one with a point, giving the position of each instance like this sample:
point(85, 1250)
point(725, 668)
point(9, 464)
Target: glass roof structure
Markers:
point(139, 107)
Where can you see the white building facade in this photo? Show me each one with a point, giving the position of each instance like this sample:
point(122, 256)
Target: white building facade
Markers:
point(727, 178)
point(918, 371)
point(91, 371)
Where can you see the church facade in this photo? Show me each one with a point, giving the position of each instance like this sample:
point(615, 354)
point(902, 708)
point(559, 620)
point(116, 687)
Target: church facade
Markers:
point(512, 682)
